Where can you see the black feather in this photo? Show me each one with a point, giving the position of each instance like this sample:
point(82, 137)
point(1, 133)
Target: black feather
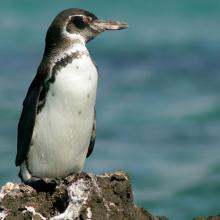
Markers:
point(93, 137)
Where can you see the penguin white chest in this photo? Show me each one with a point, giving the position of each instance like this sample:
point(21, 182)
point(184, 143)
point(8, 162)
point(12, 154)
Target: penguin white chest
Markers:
point(64, 126)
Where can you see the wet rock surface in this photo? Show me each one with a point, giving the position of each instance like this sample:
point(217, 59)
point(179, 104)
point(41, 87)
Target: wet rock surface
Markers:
point(82, 197)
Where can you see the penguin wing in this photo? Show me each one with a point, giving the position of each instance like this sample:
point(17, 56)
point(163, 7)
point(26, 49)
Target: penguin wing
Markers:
point(27, 120)
point(93, 136)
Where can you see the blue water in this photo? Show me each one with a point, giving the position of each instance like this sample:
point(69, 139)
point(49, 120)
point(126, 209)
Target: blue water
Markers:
point(158, 104)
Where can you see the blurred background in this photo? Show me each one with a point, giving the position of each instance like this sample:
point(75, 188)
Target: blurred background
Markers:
point(158, 104)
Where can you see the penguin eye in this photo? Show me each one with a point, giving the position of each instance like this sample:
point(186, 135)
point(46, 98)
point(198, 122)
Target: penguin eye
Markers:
point(79, 21)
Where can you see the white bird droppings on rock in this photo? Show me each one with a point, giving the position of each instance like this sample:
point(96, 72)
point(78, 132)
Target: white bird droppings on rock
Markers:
point(89, 213)
point(7, 189)
point(34, 213)
point(78, 193)
point(3, 214)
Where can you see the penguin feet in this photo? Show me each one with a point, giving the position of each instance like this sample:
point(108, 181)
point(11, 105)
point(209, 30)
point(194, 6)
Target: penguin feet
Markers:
point(42, 185)
point(52, 181)
point(39, 184)
point(36, 180)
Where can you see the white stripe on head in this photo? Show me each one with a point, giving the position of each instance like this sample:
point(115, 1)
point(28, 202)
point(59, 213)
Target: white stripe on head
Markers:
point(73, 36)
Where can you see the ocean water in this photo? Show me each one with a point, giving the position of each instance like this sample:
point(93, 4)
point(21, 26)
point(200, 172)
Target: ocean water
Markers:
point(158, 104)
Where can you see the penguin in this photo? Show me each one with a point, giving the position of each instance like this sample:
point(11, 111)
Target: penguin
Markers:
point(57, 126)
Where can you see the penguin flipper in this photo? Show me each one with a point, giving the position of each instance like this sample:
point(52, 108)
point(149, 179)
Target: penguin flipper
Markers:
point(93, 136)
point(27, 122)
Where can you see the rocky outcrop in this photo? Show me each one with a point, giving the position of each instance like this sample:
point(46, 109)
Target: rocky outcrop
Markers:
point(82, 197)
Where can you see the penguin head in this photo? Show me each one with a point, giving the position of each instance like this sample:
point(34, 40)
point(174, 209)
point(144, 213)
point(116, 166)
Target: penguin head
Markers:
point(76, 24)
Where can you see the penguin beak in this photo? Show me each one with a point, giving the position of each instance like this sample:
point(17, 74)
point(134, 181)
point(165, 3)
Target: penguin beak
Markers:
point(101, 25)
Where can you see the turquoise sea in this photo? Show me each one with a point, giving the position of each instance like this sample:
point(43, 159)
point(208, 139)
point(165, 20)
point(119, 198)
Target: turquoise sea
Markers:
point(158, 104)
